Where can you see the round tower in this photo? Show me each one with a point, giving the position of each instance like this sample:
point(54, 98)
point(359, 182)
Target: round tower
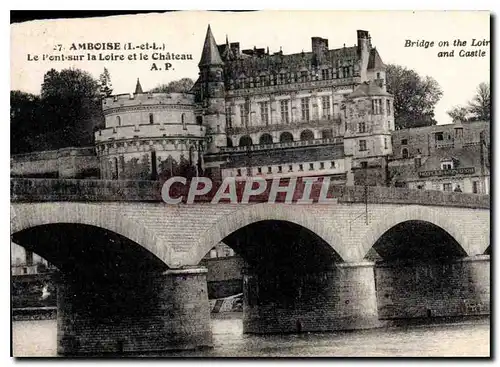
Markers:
point(148, 136)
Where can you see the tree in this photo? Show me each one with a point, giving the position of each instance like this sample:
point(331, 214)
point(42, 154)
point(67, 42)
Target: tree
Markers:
point(415, 97)
point(459, 113)
point(24, 127)
point(176, 86)
point(478, 109)
point(106, 88)
point(71, 107)
point(480, 106)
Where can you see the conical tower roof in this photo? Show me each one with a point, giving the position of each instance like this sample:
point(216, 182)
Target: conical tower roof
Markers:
point(210, 55)
point(138, 87)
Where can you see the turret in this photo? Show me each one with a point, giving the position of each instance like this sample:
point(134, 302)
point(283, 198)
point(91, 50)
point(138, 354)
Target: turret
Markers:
point(212, 93)
point(138, 87)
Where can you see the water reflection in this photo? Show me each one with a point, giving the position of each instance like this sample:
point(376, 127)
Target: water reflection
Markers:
point(472, 338)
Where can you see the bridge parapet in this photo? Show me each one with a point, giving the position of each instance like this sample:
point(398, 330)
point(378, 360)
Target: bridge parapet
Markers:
point(39, 190)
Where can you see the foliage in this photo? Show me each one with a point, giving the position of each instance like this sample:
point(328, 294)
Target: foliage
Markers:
point(415, 97)
point(176, 86)
point(65, 114)
point(478, 109)
point(106, 88)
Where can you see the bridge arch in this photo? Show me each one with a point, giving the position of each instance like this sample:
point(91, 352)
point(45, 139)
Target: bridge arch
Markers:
point(392, 218)
point(26, 216)
point(247, 215)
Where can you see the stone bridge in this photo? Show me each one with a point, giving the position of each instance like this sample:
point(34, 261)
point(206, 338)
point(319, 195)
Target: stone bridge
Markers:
point(321, 254)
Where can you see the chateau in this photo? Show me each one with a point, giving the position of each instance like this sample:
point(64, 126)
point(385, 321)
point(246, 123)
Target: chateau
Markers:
point(320, 113)
point(324, 113)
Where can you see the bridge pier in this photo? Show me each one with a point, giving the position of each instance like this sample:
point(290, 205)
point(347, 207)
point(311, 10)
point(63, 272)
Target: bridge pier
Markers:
point(342, 298)
point(456, 288)
point(136, 313)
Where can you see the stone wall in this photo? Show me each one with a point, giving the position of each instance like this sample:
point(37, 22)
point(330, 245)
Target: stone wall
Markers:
point(459, 288)
point(340, 299)
point(62, 163)
point(141, 313)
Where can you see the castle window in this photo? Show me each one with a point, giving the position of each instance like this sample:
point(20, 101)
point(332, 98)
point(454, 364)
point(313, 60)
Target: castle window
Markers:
point(378, 75)
point(385, 144)
point(447, 186)
point(388, 125)
point(325, 105)
point(404, 142)
point(245, 141)
point(459, 132)
point(199, 120)
point(259, 170)
point(238, 172)
point(244, 114)
point(151, 118)
point(363, 164)
point(311, 166)
point(447, 165)
point(286, 137)
point(263, 82)
point(321, 165)
point(269, 170)
point(290, 168)
point(332, 164)
point(404, 153)
point(325, 74)
point(439, 136)
point(475, 187)
point(301, 167)
point(282, 78)
point(388, 106)
point(118, 121)
point(264, 112)
point(303, 76)
point(229, 117)
point(362, 145)
point(285, 114)
point(362, 127)
point(306, 135)
point(418, 162)
point(346, 71)
point(265, 139)
point(183, 121)
point(377, 106)
point(279, 169)
point(304, 105)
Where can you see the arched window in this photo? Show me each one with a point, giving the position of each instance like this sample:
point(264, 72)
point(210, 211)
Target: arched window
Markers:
point(245, 141)
point(404, 153)
point(183, 121)
point(151, 119)
point(229, 142)
point(286, 137)
point(115, 169)
point(306, 135)
point(265, 139)
point(118, 121)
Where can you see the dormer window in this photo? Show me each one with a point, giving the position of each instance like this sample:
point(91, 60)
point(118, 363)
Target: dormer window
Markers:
point(448, 164)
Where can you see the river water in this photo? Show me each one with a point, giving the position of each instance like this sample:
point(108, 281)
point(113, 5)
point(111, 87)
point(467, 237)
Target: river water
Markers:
point(467, 338)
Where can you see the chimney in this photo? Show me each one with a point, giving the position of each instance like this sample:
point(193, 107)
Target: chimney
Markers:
point(319, 49)
point(363, 41)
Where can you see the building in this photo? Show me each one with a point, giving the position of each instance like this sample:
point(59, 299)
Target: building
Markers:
point(253, 113)
point(454, 157)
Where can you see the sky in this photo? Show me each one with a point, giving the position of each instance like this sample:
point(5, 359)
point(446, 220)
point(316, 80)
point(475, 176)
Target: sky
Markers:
point(184, 33)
